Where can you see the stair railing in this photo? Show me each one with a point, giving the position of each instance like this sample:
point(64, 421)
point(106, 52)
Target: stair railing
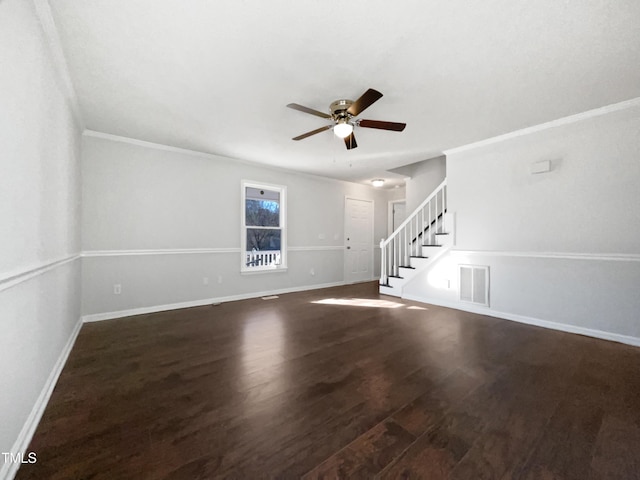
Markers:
point(418, 229)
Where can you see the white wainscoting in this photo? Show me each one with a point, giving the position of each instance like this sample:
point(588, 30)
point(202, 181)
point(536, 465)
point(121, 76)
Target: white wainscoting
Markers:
point(21, 444)
point(607, 263)
point(465, 307)
point(214, 291)
point(97, 317)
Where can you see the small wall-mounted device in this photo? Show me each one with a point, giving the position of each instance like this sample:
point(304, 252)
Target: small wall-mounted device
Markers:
point(541, 167)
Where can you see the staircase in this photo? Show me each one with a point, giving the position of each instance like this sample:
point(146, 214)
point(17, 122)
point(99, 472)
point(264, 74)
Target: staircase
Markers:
point(425, 235)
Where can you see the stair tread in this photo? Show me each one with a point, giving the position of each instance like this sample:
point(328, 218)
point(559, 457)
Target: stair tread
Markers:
point(385, 285)
point(417, 256)
point(430, 245)
point(442, 233)
point(406, 266)
point(394, 276)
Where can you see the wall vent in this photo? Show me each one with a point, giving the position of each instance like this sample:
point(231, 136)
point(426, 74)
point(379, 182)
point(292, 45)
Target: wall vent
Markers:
point(474, 284)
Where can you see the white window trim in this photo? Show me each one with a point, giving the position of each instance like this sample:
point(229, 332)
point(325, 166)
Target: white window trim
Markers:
point(283, 227)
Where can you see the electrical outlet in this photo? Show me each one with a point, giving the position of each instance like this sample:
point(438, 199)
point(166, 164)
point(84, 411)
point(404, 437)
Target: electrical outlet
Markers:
point(219, 278)
point(312, 272)
point(205, 280)
point(117, 289)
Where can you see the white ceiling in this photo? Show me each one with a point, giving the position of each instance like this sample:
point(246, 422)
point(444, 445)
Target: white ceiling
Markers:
point(215, 76)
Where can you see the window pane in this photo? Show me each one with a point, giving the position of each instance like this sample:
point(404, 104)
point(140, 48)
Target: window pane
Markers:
point(262, 208)
point(263, 247)
point(263, 239)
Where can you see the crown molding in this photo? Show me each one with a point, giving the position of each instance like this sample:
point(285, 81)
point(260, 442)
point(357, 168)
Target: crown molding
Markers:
point(59, 61)
point(212, 156)
point(597, 112)
point(159, 146)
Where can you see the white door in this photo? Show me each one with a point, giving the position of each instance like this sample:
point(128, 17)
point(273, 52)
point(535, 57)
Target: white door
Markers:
point(358, 229)
point(399, 214)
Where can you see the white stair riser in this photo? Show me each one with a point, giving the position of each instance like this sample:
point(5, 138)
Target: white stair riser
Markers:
point(397, 283)
point(444, 240)
point(407, 273)
point(390, 291)
point(418, 263)
point(429, 251)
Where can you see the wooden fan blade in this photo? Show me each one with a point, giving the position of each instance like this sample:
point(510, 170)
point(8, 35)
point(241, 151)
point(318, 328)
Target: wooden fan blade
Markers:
point(301, 108)
point(396, 127)
point(367, 99)
point(350, 141)
point(312, 132)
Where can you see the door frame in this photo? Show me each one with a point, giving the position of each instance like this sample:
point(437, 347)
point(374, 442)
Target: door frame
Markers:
point(390, 214)
point(371, 260)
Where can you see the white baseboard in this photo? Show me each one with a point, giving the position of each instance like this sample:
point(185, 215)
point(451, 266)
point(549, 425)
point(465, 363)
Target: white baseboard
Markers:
point(98, 317)
point(9, 470)
point(563, 327)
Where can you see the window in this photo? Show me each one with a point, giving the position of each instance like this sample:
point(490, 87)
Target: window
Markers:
point(263, 236)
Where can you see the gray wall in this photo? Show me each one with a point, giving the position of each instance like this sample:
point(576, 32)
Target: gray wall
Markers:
point(39, 214)
point(422, 179)
point(144, 204)
point(425, 177)
point(562, 246)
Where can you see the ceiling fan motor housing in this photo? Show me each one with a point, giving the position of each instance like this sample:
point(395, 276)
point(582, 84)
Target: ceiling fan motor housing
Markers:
point(343, 114)
point(339, 110)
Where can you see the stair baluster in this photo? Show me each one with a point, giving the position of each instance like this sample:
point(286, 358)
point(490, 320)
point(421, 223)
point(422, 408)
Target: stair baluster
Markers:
point(407, 240)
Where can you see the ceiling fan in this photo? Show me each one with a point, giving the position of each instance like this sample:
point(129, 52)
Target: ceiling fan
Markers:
point(343, 113)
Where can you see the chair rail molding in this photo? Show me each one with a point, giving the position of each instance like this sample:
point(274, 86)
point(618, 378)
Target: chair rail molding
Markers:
point(16, 277)
point(611, 257)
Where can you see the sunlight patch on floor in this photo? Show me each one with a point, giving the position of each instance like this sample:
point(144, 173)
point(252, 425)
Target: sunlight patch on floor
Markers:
point(366, 302)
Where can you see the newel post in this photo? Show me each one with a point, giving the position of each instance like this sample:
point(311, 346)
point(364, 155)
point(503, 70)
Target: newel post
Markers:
point(383, 263)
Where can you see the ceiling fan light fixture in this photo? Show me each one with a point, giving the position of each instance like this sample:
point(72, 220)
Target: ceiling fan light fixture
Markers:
point(343, 129)
point(344, 115)
point(378, 182)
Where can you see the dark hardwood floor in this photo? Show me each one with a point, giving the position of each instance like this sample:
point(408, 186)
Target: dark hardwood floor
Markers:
point(339, 383)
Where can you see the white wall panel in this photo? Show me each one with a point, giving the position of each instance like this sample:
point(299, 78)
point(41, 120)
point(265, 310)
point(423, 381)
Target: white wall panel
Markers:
point(562, 246)
point(146, 197)
point(39, 219)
